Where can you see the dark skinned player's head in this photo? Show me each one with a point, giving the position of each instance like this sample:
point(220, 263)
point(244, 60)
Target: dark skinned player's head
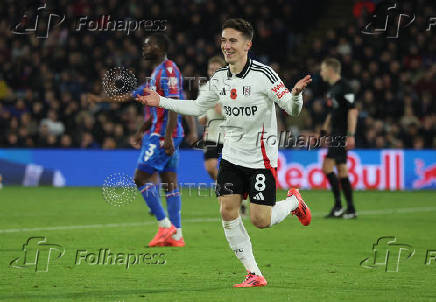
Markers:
point(155, 46)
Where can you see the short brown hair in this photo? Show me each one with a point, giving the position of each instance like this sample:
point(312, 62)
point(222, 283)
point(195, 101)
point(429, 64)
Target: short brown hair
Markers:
point(333, 63)
point(240, 25)
point(217, 59)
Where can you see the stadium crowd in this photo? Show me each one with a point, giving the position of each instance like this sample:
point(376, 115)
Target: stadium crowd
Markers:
point(43, 81)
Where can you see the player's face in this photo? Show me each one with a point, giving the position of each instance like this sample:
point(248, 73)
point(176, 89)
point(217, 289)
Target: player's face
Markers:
point(234, 45)
point(325, 72)
point(150, 49)
point(212, 67)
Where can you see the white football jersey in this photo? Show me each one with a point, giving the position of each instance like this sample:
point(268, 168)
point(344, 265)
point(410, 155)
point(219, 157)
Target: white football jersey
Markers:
point(247, 100)
point(213, 129)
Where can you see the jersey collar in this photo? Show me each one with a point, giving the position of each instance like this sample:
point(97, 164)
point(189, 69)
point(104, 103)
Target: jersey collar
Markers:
point(244, 71)
point(159, 66)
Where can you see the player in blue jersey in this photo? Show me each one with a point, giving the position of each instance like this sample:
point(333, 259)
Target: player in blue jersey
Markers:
point(159, 144)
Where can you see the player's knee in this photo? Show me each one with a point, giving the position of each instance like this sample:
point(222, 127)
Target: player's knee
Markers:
point(343, 174)
point(211, 172)
point(260, 222)
point(139, 181)
point(326, 169)
point(228, 213)
point(342, 171)
point(210, 169)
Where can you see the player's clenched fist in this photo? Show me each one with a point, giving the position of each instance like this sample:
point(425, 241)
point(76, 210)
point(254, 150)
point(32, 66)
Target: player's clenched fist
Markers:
point(301, 84)
point(150, 98)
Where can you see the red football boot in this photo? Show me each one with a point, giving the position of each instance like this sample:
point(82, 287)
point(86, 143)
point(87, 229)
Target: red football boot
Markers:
point(162, 235)
point(302, 211)
point(252, 280)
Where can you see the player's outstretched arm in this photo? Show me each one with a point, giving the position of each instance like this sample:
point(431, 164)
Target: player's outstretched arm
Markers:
point(292, 102)
point(104, 98)
point(184, 107)
point(94, 98)
point(301, 85)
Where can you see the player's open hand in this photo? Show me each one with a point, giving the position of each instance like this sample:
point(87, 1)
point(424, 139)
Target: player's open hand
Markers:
point(301, 85)
point(150, 98)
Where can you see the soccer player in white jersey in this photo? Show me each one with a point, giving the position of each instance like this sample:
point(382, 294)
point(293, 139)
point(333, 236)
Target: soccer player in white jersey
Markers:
point(248, 92)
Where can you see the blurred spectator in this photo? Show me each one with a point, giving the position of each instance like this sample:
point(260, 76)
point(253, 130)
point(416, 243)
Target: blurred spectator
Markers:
point(54, 126)
point(87, 141)
point(66, 141)
point(109, 143)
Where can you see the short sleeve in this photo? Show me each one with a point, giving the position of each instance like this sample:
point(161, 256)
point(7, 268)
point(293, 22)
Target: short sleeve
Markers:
point(349, 97)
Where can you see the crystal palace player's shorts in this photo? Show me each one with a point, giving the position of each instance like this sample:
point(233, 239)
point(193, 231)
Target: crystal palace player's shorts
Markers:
point(153, 157)
point(259, 184)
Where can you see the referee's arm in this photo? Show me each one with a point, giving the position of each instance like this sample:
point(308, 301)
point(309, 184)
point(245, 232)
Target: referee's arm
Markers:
point(352, 120)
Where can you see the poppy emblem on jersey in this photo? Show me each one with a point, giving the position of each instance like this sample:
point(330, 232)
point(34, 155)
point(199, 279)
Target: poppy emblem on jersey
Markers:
point(246, 90)
point(172, 82)
point(233, 94)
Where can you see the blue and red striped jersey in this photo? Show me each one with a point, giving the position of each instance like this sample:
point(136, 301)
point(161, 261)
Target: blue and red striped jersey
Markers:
point(167, 81)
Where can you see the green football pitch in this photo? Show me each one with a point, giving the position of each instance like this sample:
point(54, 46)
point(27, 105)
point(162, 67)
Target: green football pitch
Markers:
point(85, 244)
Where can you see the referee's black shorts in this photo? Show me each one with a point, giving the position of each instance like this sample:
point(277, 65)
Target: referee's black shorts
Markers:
point(259, 184)
point(212, 150)
point(338, 154)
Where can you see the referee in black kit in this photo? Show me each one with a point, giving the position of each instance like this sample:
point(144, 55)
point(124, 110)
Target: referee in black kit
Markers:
point(342, 115)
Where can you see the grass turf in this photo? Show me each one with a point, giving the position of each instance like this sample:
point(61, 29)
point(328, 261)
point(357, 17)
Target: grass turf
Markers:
point(316, 263)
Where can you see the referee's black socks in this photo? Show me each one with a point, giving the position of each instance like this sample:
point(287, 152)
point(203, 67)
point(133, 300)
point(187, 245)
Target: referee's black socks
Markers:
point(333, 180)
point(348, 192)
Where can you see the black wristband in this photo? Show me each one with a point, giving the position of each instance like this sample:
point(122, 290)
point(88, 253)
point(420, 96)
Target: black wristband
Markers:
point(323, 132)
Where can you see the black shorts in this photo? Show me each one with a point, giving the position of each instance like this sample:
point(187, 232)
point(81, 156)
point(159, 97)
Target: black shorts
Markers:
point(259, 184)
point(339, 154)
point(212, 150)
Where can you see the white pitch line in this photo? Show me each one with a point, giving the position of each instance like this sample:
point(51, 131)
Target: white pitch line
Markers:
point(97, 226)
point(388, 211)
point(133, 224)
